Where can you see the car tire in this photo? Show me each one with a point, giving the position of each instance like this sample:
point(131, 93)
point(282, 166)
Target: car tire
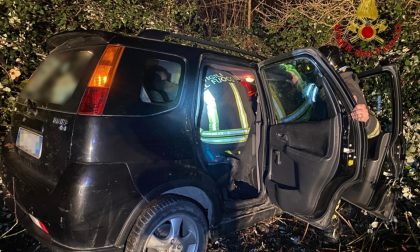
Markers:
point(170, 223)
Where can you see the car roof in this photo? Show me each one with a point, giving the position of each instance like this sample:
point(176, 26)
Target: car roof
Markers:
point(152, 40)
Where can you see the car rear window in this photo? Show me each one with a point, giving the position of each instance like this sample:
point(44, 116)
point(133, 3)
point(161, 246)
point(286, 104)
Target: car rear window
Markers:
point(56, 81)
point(145, 83)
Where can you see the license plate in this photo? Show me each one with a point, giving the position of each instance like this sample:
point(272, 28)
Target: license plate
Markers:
point(30, 142)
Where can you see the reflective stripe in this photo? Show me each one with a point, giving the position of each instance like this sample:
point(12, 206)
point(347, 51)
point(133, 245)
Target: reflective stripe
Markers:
point(242, 114)
point(229, 152)
point(211, 110)
point(375, 131)
point(298, 112)
point(216, 136)
point(224, 133)
point(224, 140)
point(314, 93)
point(310, 92)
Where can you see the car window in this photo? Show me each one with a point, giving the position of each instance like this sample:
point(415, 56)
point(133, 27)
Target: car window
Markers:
point(145, 83)
point(296, 90)
point(55, 81)
point(161, 81)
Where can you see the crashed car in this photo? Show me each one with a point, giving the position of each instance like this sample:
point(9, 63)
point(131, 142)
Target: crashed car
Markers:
point(131, 143)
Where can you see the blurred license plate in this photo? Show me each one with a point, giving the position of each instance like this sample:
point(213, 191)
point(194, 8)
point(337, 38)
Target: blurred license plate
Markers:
point(30, 142)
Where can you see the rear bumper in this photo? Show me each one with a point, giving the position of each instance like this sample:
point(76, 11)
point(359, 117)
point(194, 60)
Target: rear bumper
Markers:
point(86, 210)
point(46, 240)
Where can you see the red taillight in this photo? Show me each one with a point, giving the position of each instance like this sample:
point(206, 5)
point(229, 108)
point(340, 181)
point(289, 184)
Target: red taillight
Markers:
point(93, 101)
point(96, 93)
point(39, 224)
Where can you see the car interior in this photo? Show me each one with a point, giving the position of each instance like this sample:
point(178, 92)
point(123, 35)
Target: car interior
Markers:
point(228, 92)
point(160, 85)
point(158, 82)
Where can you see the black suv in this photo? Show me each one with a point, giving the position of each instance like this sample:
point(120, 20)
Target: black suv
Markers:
point(143, 143)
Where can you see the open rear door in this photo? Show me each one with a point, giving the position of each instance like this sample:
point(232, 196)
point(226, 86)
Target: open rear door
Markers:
point(385, 152)
point(316, 150)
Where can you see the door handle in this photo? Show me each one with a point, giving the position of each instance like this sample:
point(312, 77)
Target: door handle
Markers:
point(283, 137)
point(277, 160)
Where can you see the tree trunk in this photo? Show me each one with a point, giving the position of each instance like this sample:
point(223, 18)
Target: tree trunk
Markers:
point(249, 14)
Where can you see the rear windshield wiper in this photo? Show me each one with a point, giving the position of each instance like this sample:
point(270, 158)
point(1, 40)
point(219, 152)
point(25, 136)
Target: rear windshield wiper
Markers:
point(31, 104)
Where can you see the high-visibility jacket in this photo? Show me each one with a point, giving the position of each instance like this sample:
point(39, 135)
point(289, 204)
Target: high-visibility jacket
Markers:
point(227, 113)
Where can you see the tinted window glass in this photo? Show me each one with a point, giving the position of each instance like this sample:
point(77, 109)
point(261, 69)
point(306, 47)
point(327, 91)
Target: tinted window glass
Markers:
point(145, 83)
point(297, 91)
point(57, 78)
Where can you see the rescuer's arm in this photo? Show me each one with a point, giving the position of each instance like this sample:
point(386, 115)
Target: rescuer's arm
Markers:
point(360, 111)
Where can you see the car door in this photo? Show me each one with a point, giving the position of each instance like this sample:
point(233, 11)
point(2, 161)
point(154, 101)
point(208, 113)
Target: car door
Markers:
point(384, 162)
point(315, 150)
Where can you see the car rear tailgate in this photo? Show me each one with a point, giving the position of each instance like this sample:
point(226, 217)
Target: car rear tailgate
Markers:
point(39, 143)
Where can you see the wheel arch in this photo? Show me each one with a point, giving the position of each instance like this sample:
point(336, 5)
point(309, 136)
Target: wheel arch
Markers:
point(198, 195)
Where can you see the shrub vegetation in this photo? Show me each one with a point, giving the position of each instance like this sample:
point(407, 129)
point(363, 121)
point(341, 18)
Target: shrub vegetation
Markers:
point(266, 27)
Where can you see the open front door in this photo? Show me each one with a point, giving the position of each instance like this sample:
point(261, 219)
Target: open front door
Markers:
point(385, 152)
point(315, 148)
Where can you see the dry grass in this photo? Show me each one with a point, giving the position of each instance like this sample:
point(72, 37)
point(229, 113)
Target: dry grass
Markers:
point(322, 12)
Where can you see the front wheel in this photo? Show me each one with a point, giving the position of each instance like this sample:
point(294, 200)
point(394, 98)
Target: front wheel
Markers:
point(169, 224)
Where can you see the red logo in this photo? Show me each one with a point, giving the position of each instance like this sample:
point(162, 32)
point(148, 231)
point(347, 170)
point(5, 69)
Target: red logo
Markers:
point(366, 27)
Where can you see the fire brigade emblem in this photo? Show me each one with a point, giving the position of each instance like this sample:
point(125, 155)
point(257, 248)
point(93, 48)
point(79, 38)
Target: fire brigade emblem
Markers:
point(365, 26)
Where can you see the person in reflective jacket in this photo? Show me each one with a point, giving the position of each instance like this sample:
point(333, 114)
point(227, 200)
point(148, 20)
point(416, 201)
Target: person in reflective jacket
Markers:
point(360, 112)
point(227, 120)
point(224, 119)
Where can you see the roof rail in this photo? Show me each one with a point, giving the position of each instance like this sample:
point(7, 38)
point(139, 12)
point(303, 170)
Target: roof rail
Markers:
point(161, 35)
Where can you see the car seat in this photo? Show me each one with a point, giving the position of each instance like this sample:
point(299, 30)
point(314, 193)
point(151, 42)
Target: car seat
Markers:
point(163, 91)
point(158, 85)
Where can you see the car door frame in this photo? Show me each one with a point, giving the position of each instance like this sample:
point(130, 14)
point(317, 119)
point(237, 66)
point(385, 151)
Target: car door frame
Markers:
point(394, 148)
point(339, 89)
point(208, 58)
point(397, 129)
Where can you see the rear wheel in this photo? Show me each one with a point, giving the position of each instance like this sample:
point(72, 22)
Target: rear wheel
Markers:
point(169, 224)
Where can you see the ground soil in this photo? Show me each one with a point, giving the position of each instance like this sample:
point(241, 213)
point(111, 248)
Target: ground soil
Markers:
point(283, 233)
